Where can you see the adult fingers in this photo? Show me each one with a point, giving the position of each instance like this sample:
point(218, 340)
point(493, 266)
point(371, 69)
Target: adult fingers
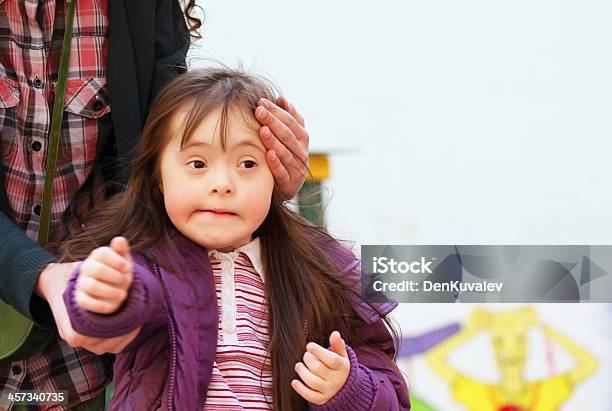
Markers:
point(280, 174)
point(291, 162)
point(290, 108)
point(285, 128)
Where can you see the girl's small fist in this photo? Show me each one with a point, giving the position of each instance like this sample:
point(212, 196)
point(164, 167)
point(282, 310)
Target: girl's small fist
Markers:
point(105, 278)
point(323, 372)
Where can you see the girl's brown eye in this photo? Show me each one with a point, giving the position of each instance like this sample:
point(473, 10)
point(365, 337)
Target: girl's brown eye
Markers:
point(197, 164)
point(248, 164)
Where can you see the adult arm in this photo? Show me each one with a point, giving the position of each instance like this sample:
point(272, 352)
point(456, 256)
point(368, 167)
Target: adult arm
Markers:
point(22, 261)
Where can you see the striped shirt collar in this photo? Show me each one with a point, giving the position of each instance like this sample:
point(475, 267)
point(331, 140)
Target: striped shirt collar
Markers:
point(252, 251)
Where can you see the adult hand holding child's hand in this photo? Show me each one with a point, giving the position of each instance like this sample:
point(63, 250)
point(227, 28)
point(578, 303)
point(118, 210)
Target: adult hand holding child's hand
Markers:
point(51, 285)
point(105, 278)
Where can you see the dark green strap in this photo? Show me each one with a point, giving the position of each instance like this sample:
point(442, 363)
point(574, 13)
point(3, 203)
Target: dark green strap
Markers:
point(56, 125)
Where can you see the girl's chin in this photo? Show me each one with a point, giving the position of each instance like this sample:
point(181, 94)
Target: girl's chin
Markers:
point(224, 247)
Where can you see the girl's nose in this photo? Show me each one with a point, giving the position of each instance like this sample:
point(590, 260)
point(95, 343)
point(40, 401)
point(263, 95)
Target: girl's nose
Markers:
point(222, 184)
point(221, 189)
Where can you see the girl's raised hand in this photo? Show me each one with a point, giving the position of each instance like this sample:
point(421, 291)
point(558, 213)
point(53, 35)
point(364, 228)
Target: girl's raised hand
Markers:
point(323, 372)
point(105, 278)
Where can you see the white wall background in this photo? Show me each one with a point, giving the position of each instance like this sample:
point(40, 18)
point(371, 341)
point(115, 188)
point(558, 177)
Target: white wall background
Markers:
point(468, 121)
point(476, 121)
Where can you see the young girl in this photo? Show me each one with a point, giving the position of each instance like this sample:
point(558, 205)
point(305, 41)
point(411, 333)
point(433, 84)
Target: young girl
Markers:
point(238, 297)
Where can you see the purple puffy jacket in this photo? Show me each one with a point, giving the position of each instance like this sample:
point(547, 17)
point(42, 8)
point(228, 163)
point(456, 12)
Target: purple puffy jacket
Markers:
point(169, 364)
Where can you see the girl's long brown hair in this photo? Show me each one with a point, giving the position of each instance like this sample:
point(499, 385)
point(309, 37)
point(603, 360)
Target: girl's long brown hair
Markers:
point(306, 296)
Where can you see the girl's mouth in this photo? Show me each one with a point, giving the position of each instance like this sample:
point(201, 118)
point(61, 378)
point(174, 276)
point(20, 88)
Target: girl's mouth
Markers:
point(214, 212)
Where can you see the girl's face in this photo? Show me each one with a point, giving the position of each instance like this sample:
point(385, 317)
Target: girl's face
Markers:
point(216, 198)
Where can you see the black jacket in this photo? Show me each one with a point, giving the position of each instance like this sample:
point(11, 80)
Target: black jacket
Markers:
point(147, 45)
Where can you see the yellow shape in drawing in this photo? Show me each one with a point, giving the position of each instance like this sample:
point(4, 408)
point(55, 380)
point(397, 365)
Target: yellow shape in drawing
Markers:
point(545, 395)
point(509, 334)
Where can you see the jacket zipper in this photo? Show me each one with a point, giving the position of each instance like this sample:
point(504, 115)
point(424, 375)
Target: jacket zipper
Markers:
point(172, 345)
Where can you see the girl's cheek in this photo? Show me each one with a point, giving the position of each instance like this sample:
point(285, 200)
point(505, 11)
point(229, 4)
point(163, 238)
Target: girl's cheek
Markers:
point(174, 204)
point(260, 210)
point(260, 205)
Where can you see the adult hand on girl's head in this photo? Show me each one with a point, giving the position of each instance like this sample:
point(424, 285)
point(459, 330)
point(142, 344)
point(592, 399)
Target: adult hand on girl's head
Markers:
point(324, 372)
point(286, 139)
point(105, 278)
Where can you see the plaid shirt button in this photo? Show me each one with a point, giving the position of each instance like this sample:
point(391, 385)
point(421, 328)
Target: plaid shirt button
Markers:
point(98, 105)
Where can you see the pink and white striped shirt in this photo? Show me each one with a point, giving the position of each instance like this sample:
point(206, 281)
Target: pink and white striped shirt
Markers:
point(242, 374)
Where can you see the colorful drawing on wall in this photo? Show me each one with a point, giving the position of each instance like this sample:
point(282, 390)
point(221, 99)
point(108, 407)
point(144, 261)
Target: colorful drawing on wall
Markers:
point(415, 345)
point(509, 336)
point(419, 344)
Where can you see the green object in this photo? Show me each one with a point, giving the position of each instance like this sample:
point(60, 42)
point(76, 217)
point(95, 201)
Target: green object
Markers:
point(416, 404)
point(20, 337)
point(310, 202)
point(15, 330)
point(56, 126)
point(108, 394)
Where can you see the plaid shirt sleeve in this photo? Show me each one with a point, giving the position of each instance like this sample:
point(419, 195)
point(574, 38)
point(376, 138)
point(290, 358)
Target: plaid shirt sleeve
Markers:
point(31, 33)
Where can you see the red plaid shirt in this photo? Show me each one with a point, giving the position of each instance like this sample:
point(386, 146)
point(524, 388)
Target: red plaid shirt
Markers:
point(31, 34)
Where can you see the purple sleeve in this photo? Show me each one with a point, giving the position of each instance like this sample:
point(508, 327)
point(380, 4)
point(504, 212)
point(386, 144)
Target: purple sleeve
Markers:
point(358, 393)
point(145, 304)
point(374, 382)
